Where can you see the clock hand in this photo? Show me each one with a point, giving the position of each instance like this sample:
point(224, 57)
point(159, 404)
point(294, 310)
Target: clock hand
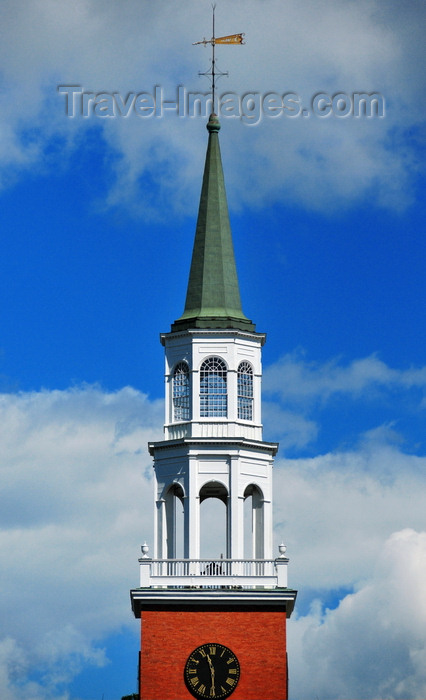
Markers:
point(212, 691)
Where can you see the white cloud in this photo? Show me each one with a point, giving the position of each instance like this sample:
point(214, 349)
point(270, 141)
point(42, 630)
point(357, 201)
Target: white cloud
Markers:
point(374, 643)
point(335, 511)
point(15, 663)
point(303, 46)
point(353, 521)
point(290, 428)
point(298, 381)
point(73, 513)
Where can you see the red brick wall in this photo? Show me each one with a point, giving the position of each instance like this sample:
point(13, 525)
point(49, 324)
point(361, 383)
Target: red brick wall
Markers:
point(257, 638)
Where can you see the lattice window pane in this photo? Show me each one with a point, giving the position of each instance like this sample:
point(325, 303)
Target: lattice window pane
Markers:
point(213, 388)
point(181, 392)
point(245, 391)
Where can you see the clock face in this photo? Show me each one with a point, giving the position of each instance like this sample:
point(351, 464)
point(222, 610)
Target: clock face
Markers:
point(212, 671)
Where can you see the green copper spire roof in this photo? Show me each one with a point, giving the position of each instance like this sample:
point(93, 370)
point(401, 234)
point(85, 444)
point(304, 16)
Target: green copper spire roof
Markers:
point(213, 295)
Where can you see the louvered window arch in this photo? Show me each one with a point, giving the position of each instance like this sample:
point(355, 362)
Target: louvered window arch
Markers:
point(213, 388)
point(181, 392)
point(245, 391)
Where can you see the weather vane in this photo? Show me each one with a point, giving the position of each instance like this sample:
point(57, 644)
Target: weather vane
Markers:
point(214, 72)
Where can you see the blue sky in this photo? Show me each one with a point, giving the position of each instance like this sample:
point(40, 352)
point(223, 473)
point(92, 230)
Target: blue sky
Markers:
point(98, 216)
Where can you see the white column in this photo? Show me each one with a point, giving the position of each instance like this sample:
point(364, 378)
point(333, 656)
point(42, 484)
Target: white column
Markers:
point(195, 393)
point(267, 529)
point(257, 400)
point(232, 394)
point(258, 526)
point(168, 388)
point(170, 507)
point(236, 513)
point(192, 513)
point(160, 530)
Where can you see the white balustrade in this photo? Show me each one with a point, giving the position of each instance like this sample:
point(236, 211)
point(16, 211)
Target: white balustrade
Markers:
point(212, 573)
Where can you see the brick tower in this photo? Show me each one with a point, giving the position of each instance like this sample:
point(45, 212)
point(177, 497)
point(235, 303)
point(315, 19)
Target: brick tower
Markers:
point(212, 628)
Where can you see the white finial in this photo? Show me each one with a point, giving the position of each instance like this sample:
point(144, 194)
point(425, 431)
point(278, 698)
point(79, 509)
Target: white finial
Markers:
point(145, 550)
point(282, 549)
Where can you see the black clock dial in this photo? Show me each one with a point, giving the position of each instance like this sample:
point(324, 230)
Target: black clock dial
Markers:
point(212, 671)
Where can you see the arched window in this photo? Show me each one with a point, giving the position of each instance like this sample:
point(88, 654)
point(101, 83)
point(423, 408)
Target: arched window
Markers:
point(213, 393)
point(245, 391)
point(181, 395)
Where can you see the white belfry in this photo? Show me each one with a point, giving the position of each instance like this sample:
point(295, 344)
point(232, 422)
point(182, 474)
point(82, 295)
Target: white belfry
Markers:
point(213, 446)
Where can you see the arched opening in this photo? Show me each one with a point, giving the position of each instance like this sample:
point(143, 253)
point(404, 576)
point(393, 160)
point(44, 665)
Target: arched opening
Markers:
point(253, 523)
point(213, 520)
point(174, 522)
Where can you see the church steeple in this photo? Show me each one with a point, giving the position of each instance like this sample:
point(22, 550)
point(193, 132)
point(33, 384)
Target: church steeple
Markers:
point(213, 295)
point(195, 611)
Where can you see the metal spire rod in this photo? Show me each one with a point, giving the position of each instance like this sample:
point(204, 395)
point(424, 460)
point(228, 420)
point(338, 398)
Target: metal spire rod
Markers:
point(213, 58)
point(214, 72)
